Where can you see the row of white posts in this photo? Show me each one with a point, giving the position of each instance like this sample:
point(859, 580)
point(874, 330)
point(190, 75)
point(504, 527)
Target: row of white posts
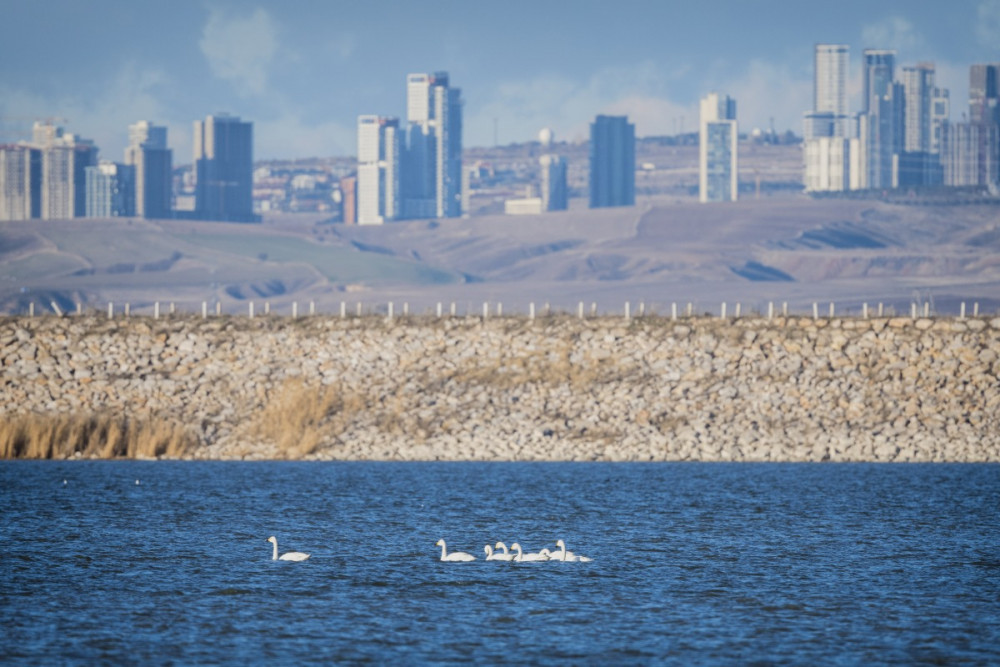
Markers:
point(499, 310)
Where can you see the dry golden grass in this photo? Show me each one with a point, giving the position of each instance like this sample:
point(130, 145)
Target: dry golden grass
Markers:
point(298, 418)
point(34, 436)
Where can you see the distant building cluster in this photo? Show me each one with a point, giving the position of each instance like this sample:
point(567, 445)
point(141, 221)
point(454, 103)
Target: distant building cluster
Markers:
point(57, 174)
point(413, 171)
point(902, 136)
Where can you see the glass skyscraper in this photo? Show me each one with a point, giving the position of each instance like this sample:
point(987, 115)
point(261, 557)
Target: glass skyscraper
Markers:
point(612, 162)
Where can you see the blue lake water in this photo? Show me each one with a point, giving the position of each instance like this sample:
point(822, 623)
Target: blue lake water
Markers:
point(693, 563)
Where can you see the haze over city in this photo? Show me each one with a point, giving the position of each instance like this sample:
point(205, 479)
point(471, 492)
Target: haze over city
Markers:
point(303, 72)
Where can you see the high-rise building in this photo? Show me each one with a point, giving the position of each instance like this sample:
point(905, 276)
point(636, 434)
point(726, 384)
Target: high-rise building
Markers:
point(919, 162)
point(717, 146)
point(223, 158)
point(110, 190)
point(984, 93)
point(882, 102)
point(153, 161)
point(432, 168)
point(379, 159)
point(554, 190)
point(64, 159)
point(612, 162)
point(829, 117)
point(349, 199)
point(20, 182)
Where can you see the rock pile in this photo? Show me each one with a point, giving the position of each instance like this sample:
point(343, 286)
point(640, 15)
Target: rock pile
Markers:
point(554, 388)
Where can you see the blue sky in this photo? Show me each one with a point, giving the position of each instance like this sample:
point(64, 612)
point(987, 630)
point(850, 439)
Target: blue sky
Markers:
point(303, 70)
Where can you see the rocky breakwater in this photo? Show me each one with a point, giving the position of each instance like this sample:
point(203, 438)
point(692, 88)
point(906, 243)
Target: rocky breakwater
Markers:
point(557, 388)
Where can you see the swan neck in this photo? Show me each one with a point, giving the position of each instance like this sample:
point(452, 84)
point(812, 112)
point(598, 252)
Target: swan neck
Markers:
point(274, 556)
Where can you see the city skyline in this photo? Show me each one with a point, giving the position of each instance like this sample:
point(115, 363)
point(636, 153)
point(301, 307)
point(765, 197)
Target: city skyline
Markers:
point(305, 74)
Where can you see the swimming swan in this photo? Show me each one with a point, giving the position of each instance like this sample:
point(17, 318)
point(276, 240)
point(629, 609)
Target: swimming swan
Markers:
point(455, 555)
point(568, 556)
point(291, 555)
point(500, 545)
point(523, 557)
point(500, 555)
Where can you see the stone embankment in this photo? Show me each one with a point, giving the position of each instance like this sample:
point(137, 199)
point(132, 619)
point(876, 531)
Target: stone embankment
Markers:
point(559, 388)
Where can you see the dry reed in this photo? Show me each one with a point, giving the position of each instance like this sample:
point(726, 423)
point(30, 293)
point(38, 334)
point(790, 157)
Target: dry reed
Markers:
point(298, 418)
point(37, 436)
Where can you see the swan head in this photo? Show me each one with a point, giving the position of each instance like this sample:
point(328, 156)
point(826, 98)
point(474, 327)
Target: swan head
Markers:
point(516, 546)
point(561, 544)
point(488, 549)
point(273, 540)
point(500, 545)
point(439, 543)
point(545, 552)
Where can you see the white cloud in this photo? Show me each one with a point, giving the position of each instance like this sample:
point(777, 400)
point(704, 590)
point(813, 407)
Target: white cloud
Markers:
point(894, 32)
point(988, 23)
point(240, 49)
point(767, 92)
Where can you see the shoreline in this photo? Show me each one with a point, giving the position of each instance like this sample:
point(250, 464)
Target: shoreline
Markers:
point(557, 388)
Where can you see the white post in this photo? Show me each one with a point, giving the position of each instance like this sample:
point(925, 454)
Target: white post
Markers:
point(156, 310)
point(218, 308)
point(880, 309)
point(548, 309)
point(831, 310)
point(359, 309)
point(642, 308)
point(454, 309)
point(593, 309)
point(927, 308)
point(673, 311)
point(295, 309)
point(128, 309)
point(815, 310)
point(343, 309)
point(111, 310)
point(439, 310)
point(722, 312)
point(267, 307)
point(784, 309)
point(251, 310)
point(961, 315)
point(579, 311)
point(975, 309)
point(312, 307)
point(406, 308)
point(172, 308)
point(56, 309)
point(531, 310)
point(738, 309)
point(770, 310)
point(913, 311)
point(204, 310)
point(31, 309)
point(390, 310)
point(79, 308)
point(499, 308)
point(864, 309)
point(627, 313)
point(486, 309)
point(690, 308)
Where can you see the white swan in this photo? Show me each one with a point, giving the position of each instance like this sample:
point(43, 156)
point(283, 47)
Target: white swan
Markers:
point(291, 555)
point(523, 557)
point(500, 555)
point(568, 556)
point(453, 556)
point(500, 545)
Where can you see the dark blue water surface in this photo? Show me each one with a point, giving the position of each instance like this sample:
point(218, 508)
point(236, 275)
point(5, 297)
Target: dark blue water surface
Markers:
point(693, 563)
